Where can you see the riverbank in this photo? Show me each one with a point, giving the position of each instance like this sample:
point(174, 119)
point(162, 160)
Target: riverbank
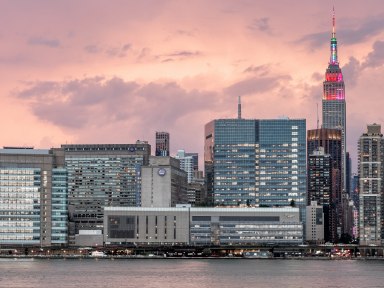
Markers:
point(133, 257)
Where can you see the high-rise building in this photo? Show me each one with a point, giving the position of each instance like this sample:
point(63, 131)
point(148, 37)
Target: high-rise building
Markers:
point(256, 162)
point(33, 197)
point(195, 159)
point(320, 190)
point(101, 175)
point(333, 103)
point(186, 163)
point(371, 186)
point(164, 184)
point(329, 140)
point(162, 144)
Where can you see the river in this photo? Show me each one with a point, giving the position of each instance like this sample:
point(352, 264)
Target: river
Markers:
point(185, 273)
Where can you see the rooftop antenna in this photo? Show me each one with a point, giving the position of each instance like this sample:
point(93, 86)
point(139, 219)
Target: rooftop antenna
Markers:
point(317, 115)
point(239, 108)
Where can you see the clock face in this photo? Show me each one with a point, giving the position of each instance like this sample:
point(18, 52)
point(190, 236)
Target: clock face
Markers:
point(132, 149)
point(161, 172)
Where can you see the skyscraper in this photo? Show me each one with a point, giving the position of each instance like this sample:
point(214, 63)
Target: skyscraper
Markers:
point(334, 108)
point(186, 163)
point(330, 140)
point(256, 162)
point(320, 189)
point(371, 187)
point(162, 144)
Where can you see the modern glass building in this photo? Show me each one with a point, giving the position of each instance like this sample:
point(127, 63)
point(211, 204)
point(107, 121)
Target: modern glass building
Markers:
point(102, 175)
point(29, 211)
point(371, 188)
point(20, 206)
point(256, 162)
point(59, 200)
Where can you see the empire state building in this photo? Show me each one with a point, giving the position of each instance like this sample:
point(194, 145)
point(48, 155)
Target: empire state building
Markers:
point(333, 104)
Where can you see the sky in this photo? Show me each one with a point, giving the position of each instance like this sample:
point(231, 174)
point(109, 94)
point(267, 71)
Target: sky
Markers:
point(117, 71)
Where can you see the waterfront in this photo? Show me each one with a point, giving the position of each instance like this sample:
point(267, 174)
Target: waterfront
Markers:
point(189, 273)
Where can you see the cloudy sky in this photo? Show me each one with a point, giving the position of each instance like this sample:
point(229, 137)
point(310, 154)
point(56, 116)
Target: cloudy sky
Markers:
point(115, 71)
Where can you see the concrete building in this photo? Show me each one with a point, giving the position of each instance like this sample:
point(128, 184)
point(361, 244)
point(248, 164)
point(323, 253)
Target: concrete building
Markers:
point(196, 194)
point(33, 197)
point(256, 162)
point(315, 223)
point(164, 184)
point(202, 226)
point(101, 175)
point(371, 188)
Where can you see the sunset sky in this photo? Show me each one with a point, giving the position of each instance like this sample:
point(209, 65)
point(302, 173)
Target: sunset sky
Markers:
point(116, 71)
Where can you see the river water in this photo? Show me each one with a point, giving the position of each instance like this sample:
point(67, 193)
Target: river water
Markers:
point(185, 273)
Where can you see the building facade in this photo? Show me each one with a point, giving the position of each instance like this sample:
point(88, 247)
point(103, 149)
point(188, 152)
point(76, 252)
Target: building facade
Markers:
point(33, 197)
point(315, 224)
point(258, 163)
point(320, 192)
point(371, 173)
point(186, 163)
point(202, 226)
point(330, 140)
point(101, 175)
point(164, 184)
point(162, 144)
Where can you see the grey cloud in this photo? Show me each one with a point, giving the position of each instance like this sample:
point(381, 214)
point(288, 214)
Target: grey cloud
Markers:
point(317, 76)
point(376, 57)
point(114, 51)
point(260, 24)
point(99, 102)
point(177, 56)
point(368, 28)
point(185, 33)
point(315, 40)
point(254, 85)
point(53, 43)
point(371, 27)
point(351, 71)
point(184, 53)
point(260, 70)
point(92, 49)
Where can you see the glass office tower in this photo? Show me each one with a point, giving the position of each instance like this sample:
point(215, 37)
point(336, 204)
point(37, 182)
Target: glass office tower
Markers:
point(59, 206)
point(20, 206)
point(257, 162)
point(33, 207)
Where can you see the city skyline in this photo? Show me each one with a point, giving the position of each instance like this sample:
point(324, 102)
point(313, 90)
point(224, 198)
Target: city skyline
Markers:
point(117, 71)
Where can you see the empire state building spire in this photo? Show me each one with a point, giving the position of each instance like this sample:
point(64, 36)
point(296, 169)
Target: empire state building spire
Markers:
point(333, 59)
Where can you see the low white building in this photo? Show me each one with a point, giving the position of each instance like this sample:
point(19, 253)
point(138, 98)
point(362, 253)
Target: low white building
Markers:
point(202, 226)
point(315, 223)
